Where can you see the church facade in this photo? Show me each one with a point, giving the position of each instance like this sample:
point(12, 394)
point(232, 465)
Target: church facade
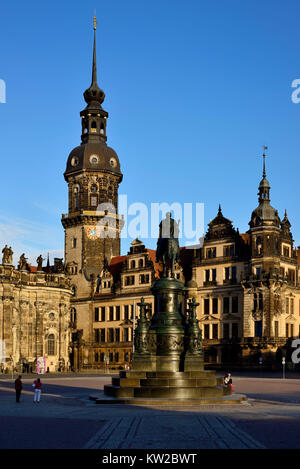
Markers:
point(34, 318)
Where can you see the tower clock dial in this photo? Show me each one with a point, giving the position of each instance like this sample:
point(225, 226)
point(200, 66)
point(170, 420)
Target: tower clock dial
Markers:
point(92, 232)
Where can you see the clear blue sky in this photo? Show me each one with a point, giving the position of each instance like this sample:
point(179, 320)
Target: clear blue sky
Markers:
point(193, 90)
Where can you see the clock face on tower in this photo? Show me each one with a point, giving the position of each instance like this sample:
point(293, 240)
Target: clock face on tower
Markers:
point(92, 232)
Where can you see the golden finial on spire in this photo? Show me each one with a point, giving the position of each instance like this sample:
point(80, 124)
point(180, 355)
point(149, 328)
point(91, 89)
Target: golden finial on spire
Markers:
point(95, 21)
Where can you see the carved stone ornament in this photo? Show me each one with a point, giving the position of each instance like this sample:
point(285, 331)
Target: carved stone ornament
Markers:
point(169, 342)
point(257, 315)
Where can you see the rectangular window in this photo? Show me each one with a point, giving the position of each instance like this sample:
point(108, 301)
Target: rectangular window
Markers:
point(110, 334)
point(258, 329)
point(228, 251)
point(96, 335)
point(225, 330)
point(144, 278)
point(292, 330)
point(226, 305)
point(206, 305)
point(233, 273)
point(215, 331)
point(96, 314)
point(258, 270)
point(118, 315)
point(235, 329)
point(227, 273)
point(206, 331)
point(102, 313)
point(132, 311)
point(210, 252)
point(276, 331)
point(291, 275)
point(74, 242)
point(214, 275)
point(287, 303)
point(207, 275)
point(117, 335)
point(215, 305)
point(111, 313)
point(235, 304)
point(102, 335)
point(126, 334)
point(286, 330)
point(116, 357)
point(126, 312)
point(129, 280)
point(292, 305)
point(96, 357)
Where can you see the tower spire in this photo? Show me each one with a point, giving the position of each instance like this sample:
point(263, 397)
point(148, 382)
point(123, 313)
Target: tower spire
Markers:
point(94, 73)
point(93, 116)
point(264, 157)
point(264, 186)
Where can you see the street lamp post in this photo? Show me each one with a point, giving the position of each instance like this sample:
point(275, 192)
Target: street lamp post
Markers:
point(283, 367)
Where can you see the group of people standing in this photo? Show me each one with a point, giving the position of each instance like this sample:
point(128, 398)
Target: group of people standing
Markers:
point(37, 386)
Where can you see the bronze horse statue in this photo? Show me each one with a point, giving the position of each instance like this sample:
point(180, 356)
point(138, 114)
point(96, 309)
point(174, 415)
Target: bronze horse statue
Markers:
point(167, 250)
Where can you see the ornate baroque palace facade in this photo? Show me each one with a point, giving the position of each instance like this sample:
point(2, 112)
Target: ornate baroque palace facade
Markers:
point(82, 314)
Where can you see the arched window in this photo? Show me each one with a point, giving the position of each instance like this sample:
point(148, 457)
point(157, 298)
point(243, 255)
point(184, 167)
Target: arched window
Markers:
point(258, 245)
point(102, 128)
point(133, 264)
point(94, 127)
point(141, 263)
point(51, 344)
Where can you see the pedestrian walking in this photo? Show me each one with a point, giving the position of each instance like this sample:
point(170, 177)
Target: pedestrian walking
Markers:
point(37, 385)
point(18, 388)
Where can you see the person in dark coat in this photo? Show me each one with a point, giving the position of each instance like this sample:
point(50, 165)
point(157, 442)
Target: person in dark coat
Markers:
point(18, 388)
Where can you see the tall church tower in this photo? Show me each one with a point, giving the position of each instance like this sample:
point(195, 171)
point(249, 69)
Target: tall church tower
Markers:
point(92, 224)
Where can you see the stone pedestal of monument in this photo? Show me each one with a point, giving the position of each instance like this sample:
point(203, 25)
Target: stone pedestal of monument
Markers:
point(167, 367)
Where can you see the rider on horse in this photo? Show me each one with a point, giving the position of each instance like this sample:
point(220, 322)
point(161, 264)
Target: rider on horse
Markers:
point(167, 244)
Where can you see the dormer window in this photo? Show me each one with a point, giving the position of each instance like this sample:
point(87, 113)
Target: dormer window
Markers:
point(210, 252)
